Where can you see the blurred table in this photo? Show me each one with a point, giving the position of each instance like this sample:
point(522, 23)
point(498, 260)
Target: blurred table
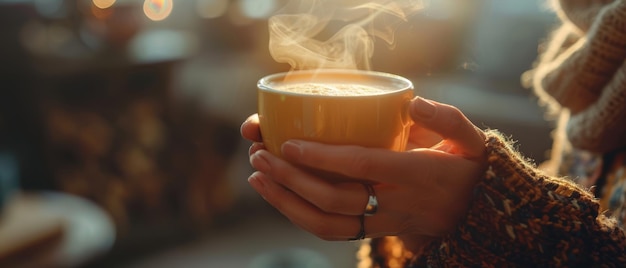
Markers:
point(51, 229)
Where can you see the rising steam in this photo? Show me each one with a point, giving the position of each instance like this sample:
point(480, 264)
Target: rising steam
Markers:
point(295, 32)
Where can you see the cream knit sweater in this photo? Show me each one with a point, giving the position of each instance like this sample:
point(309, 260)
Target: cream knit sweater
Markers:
point(582, 74)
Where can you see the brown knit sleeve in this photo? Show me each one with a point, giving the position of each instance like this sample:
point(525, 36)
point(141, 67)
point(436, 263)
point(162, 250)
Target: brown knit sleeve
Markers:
point(522, 218)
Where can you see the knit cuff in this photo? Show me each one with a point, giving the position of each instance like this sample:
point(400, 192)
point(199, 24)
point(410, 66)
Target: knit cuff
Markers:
point(521, 217)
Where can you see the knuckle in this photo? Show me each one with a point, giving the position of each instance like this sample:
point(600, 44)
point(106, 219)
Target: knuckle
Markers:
point(329, 203)
point(360, 165)
point(455, 119)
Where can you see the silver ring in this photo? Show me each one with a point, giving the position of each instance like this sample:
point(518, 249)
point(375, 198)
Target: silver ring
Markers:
point(372, 201)
point(361, 234)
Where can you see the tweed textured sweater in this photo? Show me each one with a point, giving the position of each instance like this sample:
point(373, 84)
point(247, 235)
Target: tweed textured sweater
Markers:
point(522, 216)
point(519, 217)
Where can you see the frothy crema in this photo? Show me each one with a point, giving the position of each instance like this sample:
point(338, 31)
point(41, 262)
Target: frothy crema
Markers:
point(330, 89)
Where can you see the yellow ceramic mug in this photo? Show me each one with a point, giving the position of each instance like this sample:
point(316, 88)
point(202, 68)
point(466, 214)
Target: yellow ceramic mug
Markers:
point(375, 114)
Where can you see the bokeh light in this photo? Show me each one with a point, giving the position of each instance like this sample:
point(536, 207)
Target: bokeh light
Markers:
point(157, 10)
point(50, 8)
point(258, 9)
point(103, 4)
point(209, 9)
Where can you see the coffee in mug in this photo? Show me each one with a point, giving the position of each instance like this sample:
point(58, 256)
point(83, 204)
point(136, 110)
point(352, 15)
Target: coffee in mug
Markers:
point(342, 107)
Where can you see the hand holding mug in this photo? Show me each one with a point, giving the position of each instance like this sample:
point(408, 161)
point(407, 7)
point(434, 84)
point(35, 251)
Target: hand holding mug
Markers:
point(421, 192)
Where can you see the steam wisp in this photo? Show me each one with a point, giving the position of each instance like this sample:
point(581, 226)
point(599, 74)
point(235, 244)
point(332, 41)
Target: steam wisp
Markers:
point(295, 32)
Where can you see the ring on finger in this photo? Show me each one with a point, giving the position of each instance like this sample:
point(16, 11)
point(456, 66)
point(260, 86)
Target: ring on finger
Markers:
point(372, 202)
point(361, 234)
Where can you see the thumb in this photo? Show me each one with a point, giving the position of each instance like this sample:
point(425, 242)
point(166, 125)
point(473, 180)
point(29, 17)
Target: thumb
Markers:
point(450, 123)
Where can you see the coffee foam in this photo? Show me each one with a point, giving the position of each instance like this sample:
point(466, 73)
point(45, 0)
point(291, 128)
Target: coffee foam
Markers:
point(331, 89)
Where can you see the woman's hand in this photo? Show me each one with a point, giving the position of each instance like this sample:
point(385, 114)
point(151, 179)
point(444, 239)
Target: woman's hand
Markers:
point(422, 192)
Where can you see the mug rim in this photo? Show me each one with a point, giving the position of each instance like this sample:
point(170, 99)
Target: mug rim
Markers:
point(265, 82)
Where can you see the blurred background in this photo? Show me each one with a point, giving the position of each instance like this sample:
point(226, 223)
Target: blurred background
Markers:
point(119, 123)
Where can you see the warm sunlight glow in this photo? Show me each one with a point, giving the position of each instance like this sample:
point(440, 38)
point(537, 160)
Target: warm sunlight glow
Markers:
point(102, 4)
point(157, 9)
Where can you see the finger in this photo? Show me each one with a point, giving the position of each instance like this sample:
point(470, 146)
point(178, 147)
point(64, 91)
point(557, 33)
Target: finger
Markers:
point(250, 129)
point(339, 198)
point(328, 226)
point(346, 198)
point(362, 163)
point(420, 137)
point(451, 124)
point(255, 147)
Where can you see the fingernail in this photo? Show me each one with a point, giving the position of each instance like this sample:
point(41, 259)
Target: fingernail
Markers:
point(251, 150)
point(257, 183)
point(255, 147)
point(259, 161)
point(292, 149)
point(423, 108)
